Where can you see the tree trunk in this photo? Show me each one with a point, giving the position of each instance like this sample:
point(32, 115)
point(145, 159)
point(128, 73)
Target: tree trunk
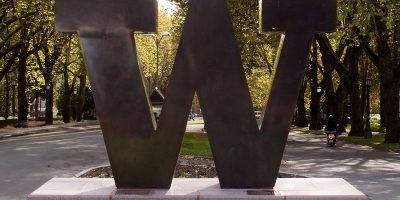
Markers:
point(330, 97)
point(391, 100)
point(22, 100)
point(340, 111)
point(390, 97)
point(334, 100)
point(73, 107)
point(49, 103)
point(66, 113)
point(1, 103)
point(315, 105)
point(364, 90)
point(301, 118)
point(7, 99)
point(389, 73)
point(81, 96)
point(315, 115)
point(382, 109)
point(357, 122)
point(37, 99)
point(345, 83)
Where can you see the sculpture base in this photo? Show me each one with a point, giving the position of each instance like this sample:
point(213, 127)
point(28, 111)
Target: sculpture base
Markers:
point(195, 189)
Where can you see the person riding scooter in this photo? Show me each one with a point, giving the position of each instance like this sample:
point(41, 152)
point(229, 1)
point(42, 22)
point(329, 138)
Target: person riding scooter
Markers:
point(330, 130)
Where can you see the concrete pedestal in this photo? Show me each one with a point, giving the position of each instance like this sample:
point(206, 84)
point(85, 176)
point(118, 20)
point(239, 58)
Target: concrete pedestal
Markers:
point(197, 189)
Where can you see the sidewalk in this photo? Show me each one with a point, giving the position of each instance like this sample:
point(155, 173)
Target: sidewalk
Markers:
point(28, 131)
point(41, 129)
point(374, 172)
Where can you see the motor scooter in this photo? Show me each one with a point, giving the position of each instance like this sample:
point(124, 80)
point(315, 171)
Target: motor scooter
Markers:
point(331, 138)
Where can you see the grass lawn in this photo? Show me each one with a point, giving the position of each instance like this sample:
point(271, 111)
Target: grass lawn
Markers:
point(307, 130)
point(196, 144)
point(377, 141)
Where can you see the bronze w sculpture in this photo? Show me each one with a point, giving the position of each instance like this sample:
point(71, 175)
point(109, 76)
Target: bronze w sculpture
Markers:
point(143, 155)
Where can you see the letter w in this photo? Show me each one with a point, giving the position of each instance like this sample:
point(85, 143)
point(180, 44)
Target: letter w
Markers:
point(208, 62)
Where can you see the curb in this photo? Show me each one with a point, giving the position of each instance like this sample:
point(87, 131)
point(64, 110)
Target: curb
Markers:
point(41, 129)
point(281, 173)
point(88, 169)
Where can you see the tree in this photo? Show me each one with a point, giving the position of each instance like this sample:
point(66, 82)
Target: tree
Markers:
point(300, 116)
point(386, 57)
point(48, 55)
point(258, 50)
point(25, 51)
point(46, 66)
point(315, 102)
point(259, 80)
point(69, 67)
point(334, 100)
point(147, 50)
point(348, 73)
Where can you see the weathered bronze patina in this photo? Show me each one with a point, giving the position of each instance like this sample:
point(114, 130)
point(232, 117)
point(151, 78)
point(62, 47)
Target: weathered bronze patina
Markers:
point(208, 62)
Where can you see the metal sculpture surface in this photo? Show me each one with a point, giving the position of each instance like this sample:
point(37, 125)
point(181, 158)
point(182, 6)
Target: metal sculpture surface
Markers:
point(143, 155)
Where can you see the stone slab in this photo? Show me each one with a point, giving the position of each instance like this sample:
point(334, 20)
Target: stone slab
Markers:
point(196, 189)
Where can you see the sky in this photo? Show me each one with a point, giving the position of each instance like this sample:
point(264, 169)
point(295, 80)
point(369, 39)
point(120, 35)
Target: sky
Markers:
point(167, 5)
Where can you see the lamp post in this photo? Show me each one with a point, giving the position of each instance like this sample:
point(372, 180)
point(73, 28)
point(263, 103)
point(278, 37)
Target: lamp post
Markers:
point(13, 84)
point(319, 89)
point(47, 88)
point(74, 104)
point(49, 105)
point(42, 97)
point(368, 133)
point(321, 113)
point(157, 41)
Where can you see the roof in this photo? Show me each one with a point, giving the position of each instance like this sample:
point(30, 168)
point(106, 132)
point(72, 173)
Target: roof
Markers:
point(157, 96)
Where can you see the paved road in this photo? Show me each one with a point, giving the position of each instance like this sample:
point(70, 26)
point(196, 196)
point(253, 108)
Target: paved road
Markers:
point(376, 173)
point(29, 161)
point(26, 162)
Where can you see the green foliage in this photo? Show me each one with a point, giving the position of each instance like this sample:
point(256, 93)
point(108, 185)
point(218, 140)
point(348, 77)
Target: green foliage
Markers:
point(375, 126)
point(89, 109)
point(146, 45)
point(59, 101)
point(259, 80)
point(357, 19)
point(258, 50)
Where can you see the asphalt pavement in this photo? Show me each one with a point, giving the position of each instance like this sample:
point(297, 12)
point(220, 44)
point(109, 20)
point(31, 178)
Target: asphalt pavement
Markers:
point(26, 162)
point(374, 172)
point(62, 151)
